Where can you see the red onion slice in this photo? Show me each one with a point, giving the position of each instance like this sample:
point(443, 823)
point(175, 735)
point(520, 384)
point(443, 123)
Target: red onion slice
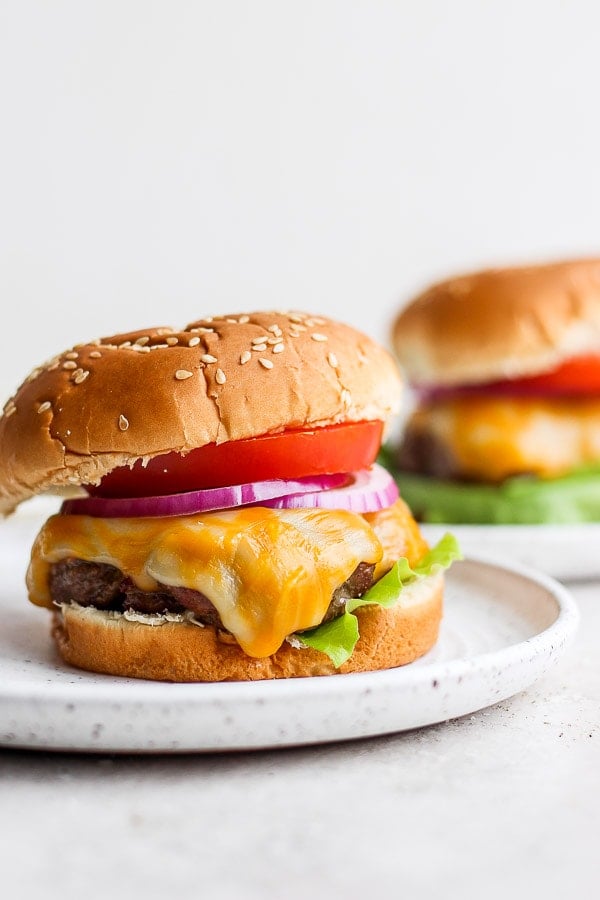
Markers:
point(369, 490)
point(201, 501)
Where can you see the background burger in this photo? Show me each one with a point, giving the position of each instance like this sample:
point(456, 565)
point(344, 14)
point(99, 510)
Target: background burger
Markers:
point(505, 366)
point(233, 525)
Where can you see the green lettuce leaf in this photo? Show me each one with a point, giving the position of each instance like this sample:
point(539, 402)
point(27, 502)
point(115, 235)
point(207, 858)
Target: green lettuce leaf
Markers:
point(521, 500)
point(338, 637)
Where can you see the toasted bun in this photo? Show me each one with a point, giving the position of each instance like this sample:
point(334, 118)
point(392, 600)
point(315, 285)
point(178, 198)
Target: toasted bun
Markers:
point(135, 396)
point(500, 323)
point(180, 651)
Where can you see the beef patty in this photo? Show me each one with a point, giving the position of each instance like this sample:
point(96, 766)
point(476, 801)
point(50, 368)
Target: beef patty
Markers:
point(106, 587)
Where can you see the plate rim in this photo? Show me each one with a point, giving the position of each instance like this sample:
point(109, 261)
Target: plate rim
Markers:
point(562, 550)
point(557, 634)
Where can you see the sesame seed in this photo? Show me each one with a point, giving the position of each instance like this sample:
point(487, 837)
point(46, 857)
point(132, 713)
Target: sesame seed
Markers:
point(123, 423)
point(318, 337)
point(259, 347)
point(80, 376)
point(294, 333)
point(159, 346)
point(278, 348)
point(124, 345)
point(71, 355)
point(220, 376)
point(162, 331)
point(296, 318)
point(243, 320)
point(318, 321)
point(207, 358)
point(265, 363)
point(171, 341)
point(274, 340)
point(10, 408)
point(194, 341)
point(141, 341)
point(95, 354)
point(69, 364)
point(43, 407)
point(346, 397)
point(274, 329)
point(246, 355)
point(332, 360)
point(182, 374)
point(259, 339)
point(232, 321)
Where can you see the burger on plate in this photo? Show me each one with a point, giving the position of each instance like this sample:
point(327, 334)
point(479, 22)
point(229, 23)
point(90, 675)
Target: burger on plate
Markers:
point(230, 522)
point(505, 370)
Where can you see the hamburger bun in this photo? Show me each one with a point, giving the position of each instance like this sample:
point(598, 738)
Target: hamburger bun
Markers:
point(500, 323)
point(180, 651)
point(119, 399)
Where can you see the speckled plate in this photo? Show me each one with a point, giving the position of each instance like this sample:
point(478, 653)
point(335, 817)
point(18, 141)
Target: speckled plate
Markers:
point(502, 629)
point(567, 552)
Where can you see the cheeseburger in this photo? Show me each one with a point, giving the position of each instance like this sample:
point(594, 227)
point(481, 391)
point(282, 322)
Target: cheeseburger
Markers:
point(229, 521)
point(505, 367)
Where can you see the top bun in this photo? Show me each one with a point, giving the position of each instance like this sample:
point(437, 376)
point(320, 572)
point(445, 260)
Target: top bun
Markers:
point(134, 396)
point(500, 323)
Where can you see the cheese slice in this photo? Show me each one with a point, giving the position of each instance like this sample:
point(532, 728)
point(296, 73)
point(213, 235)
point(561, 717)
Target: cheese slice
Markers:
point(269, 573)
point(492, 438)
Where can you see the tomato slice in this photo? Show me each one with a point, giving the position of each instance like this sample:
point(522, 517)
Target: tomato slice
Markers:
point(578, 376)
point(290, 454)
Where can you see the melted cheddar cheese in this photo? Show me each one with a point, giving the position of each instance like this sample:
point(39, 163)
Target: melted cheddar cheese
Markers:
point(268, 572)
point(492, 438)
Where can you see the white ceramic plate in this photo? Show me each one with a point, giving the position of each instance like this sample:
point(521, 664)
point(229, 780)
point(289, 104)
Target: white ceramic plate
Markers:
point(566, 552)
point(502, 629)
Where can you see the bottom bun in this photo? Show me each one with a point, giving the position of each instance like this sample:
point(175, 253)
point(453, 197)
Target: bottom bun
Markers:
point(109, 642)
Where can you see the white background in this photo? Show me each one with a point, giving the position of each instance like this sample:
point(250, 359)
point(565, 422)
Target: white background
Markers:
point(164, 160)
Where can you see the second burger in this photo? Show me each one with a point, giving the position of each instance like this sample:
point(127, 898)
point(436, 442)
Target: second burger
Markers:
point(505, 370)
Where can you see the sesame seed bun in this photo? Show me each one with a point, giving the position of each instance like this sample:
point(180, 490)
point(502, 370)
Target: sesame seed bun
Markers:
point(179, 651)
point(500, 323)
point(135, 396)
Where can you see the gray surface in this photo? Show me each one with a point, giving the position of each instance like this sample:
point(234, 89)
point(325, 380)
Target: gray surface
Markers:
point(502, 802)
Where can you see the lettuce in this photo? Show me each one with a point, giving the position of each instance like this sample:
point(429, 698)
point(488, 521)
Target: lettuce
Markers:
point(521, 500)
point(338, 637)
